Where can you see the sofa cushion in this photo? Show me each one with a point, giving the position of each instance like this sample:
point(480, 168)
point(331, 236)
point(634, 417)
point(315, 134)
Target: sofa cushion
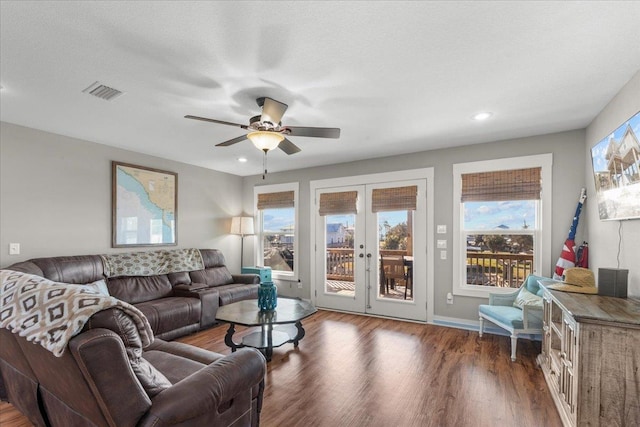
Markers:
point(167, 314)
point(212, 258)
point(525, 297)
point(172, 366)
point(237, 292)
point(181, 278)
point(214, 276)
point(71, 269)
point(137, 289)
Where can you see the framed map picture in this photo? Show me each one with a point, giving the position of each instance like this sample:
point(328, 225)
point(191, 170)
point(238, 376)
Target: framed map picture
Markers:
point(144, 205)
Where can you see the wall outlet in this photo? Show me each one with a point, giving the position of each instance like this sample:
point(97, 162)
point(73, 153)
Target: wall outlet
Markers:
point(449, 298)
point(14, 248)
point(442, 244)
point(442, 229)
point(299, 284)
point(443, 254)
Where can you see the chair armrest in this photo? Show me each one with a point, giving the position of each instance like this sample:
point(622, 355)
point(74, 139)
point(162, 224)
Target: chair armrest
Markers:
point(247, 279)
point(503, 299)
point(196, 400)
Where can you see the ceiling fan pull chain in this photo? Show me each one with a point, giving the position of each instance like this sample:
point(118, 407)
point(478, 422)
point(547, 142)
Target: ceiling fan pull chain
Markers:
point(264, 164)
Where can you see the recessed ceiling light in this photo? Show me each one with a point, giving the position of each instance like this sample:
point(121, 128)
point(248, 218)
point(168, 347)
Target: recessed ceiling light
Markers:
point(482, 116)
point(242, 159)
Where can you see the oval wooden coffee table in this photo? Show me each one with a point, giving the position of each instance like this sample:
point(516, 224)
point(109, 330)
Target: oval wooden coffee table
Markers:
point(277, 327)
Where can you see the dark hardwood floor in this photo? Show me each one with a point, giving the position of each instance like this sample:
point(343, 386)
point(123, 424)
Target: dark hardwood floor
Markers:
point(354, 370)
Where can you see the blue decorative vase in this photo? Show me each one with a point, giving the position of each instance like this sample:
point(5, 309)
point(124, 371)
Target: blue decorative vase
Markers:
point(267, 296)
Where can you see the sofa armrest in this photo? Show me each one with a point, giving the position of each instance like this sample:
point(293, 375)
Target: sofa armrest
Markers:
point(190, 287)
point(247, 279)
point(218, 394)
point(99, 354)
point(209, 301)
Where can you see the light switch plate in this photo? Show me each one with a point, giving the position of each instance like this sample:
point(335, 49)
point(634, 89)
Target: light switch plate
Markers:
point(442, 229)
point(443, 254)
point(442, 244)
point(14, 248)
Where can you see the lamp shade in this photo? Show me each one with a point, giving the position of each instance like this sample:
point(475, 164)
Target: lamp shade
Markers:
point(242, 225)
point(265, 140)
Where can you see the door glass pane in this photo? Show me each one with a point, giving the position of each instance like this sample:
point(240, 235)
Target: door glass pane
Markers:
point(339, 250)
point(395, 250)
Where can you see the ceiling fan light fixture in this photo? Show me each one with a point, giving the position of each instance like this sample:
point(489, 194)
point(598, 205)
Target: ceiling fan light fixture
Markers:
point(265, 140)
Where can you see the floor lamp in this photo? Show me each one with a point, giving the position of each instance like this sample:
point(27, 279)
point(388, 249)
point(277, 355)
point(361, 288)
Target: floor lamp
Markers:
point(242, 226)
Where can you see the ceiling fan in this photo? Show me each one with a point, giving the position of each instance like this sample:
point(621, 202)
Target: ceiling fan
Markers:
point(267, 131)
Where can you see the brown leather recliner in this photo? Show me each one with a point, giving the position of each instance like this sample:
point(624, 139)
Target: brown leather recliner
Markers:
point(105, 378)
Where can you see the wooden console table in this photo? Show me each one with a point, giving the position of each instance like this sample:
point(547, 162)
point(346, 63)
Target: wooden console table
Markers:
point(591, 357)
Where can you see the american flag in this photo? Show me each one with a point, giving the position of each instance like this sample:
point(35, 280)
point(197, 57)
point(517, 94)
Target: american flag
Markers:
point(568, 255)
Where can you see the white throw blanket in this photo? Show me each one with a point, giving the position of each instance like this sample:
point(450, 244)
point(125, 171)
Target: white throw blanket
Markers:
point(51, 313)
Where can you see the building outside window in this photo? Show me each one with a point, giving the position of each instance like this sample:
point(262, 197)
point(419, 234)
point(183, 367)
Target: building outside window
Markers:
point(499, 222)
point(277, 219)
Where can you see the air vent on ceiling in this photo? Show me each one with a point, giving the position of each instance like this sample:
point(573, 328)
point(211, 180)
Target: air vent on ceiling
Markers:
point(103, 92)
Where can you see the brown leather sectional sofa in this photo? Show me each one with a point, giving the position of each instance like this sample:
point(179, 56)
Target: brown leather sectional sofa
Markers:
point(106, 378)
point(175, 304)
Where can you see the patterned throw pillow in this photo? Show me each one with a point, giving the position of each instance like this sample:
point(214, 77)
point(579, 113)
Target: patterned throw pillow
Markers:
point(525, 297)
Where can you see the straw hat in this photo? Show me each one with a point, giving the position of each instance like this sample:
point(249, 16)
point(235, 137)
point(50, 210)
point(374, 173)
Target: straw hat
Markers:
point(577, 279)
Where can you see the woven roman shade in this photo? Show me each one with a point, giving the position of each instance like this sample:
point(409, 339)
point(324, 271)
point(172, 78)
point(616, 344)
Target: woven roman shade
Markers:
point(284, 199)
point(394, 199)
point(514, 184)
point(345, 202)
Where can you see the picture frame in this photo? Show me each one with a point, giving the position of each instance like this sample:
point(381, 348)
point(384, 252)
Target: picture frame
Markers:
point(144, 205)
point(616, 171)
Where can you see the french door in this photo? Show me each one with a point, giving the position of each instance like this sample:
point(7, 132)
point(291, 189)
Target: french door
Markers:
point(370, 254)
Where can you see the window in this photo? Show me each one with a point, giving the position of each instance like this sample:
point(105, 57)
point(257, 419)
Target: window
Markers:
point(501, 224)
point(277, 219)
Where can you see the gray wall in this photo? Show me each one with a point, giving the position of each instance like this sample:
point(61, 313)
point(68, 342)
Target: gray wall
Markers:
point(568, 179)
point(603, 235)
point(56, 198)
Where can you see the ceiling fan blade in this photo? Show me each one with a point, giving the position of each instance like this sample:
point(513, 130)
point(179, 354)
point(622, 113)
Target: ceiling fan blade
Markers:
point(232, 141)
point(288, 147)
point(272, 111)
point(314, 132)
point(204, 119)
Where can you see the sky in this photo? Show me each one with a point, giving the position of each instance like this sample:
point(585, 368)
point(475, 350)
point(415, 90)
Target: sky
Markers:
point(489, 215)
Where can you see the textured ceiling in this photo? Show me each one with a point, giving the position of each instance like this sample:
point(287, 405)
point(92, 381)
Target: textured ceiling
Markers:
point(396, 77)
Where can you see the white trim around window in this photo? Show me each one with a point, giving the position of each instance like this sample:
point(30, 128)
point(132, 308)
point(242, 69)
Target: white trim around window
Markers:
point(542, 262)
point(259, 254)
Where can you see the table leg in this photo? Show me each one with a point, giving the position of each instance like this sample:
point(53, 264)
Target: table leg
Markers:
point(228, 338)
point(300, 333)
point(269, 349)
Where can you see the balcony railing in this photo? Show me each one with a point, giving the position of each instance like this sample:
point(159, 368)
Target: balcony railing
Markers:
point(485, 269)
point(340, 262)
point(498, 269)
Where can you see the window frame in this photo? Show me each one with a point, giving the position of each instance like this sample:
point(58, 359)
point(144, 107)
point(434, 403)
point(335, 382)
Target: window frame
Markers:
point(277, 188)
point(542, 234)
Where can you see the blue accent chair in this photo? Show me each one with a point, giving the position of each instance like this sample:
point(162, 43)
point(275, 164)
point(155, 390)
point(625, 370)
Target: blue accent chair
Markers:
point(501, 312)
